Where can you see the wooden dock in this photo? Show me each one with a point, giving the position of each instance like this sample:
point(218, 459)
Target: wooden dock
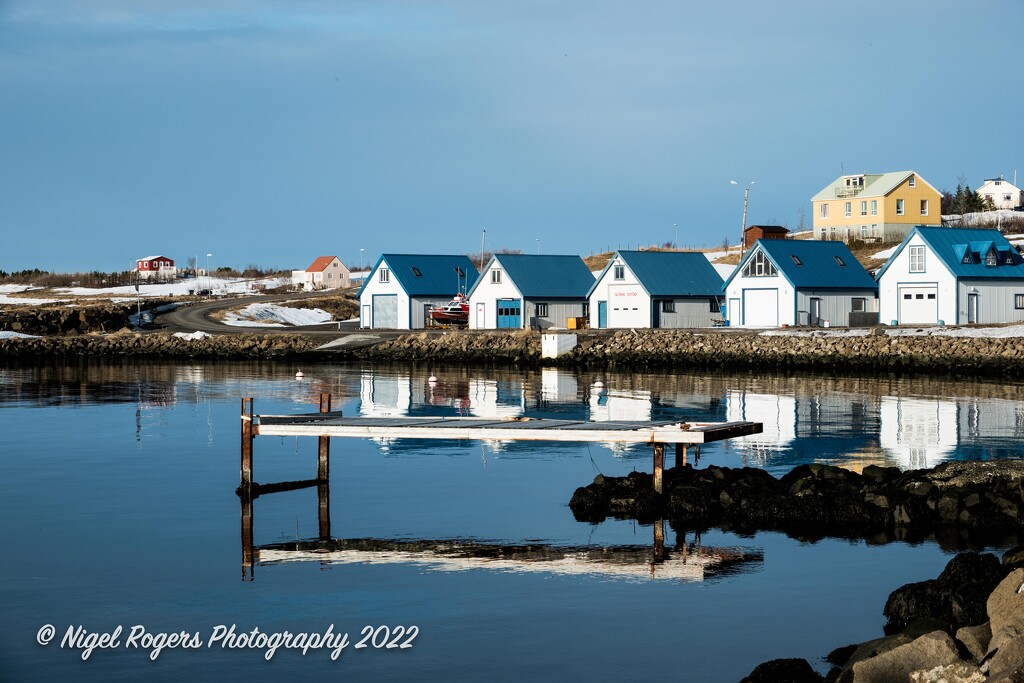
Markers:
point(326, 424)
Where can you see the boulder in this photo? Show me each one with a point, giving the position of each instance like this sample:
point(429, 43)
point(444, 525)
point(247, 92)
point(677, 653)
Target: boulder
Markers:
point(896, 665)
point(783, 671)
point(1014, 557)
point(1008, 660)
point(975, 639)
point(1006, 610)
point(949, 673)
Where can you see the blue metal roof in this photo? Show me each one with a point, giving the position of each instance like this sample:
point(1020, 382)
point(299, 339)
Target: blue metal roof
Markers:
point(951, 244)
point(428, 274)
point(822, 265)
point(671, 273)
point(550, 276)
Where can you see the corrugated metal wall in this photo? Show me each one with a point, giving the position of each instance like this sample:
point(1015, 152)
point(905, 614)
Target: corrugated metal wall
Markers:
point(835, 306)
point(690, 312)
point(558, 313)
point(418, 306)
point(996, 301)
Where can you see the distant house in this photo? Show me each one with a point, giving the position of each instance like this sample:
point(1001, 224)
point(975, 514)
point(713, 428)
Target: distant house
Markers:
point(400, 289)
point(656, 289)
point(763, 232)
point(529, 291)
point(952, 276)
point(798, 282)
point(1001, 193)
point(326, 272)
point(882, 207)
point(156, 268)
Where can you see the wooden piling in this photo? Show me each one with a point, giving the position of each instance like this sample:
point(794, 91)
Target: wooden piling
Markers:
point(659, 465)
point(323, 464)
point(245, 475)
point(323, 499)
point(248, 559)
point(680, 454)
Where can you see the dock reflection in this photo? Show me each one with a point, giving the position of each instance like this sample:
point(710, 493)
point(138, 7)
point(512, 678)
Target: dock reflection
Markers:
point(685, 560)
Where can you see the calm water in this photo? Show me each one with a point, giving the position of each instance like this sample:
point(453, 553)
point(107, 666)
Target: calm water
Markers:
point(118, 508)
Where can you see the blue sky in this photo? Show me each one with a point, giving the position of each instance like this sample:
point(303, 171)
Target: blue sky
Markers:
point(269, 133)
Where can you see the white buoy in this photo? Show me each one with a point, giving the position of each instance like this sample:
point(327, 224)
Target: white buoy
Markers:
point(299, 375)
point(432, 379)
point(599, 384)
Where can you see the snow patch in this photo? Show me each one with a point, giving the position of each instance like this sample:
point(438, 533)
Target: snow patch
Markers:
point(17, 335)
point(193, 336)
point(273, 315)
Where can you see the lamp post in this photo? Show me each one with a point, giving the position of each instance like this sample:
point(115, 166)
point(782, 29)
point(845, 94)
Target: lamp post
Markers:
point(360, 263)
point(209, 281)
point(743, 227)
point(538, 245)
point(676, 243)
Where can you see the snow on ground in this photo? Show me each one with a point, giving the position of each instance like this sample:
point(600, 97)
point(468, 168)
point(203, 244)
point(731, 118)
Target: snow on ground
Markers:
point(886, 253)
point(180, 287)
point(860, 332)
point(272, 315)
point(17, 300)
point(192, 336)
point(724, 269)
point(16, 335)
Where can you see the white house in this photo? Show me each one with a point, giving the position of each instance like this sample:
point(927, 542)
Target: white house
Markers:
point(326, 272)
point(400, 289)
point(156, 268)
point(1002, 193)
point(798, 282)
point(517, 291)
point(952, 276)
point(670, 289)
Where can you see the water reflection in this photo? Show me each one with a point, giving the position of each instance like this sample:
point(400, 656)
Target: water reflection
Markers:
point(685, 561)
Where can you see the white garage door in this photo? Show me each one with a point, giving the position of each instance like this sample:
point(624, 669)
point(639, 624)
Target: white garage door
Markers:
point(919, 305)
point(628, 306)
point(385, 311)
point(760, 308)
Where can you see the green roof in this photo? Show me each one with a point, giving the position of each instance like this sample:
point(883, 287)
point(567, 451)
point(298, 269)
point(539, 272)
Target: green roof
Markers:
point(875, 185)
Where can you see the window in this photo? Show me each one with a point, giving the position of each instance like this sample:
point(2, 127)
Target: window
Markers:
point(668, 306)
point(846, 209)
point(417, 272)
point(384, 275)
point(542, 310)
point(913, 181)
point(864, 232)
point(990, 258)
point(864, 208)
point(917, 259)
point(759, 266)
point(899, 207)
point(858, 305)
point(967, 257)
point(796, 259)
point(874, 207)
point(823, 211)
point(620, 272)
point(839, 261)
point(1008, 259)
point(874, 229)
point(1006, 197)
point(496, 277)
point(1018, 301)
point(715, 306)
point(924, 207)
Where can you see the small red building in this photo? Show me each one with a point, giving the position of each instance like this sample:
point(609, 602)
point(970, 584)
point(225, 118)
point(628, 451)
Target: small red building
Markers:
point(763, 232)
point(156, 268)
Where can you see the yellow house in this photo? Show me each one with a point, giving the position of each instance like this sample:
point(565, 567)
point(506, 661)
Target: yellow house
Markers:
point(878, 207)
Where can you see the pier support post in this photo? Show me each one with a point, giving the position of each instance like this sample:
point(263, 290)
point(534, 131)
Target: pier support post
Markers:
point(659, 465)
point(680, 454)
point(245, 475)
point(323, 463)
point(323, 500)
point(247, 545)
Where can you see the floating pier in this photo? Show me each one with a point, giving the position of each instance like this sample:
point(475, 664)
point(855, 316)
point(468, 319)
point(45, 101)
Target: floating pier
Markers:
point(327, 424)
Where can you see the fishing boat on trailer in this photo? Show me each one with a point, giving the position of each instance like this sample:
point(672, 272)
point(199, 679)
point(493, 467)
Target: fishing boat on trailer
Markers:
point(455, 312)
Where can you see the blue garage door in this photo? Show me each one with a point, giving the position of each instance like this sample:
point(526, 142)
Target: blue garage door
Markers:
point(510, 313)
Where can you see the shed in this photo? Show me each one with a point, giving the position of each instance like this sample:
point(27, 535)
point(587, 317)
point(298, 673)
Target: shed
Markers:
point(528, 290)
point(400, 289)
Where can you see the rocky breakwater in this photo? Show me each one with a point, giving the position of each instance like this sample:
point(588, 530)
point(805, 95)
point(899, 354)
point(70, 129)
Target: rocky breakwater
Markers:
point(871, 352)
point(983, 501)
point(965, 626)
point(459, 346)
point(66, 319)
point(158, 345)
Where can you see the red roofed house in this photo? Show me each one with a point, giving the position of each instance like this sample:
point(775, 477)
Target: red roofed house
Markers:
point(156, 268)
point(326, 272)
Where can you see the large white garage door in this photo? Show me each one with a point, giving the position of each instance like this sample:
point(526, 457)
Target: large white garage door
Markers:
point(919, 305)
point(760, 308)
point(628, 306)
point(385, 311)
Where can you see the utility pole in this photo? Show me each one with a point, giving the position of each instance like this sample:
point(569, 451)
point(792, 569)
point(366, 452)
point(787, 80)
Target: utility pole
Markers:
point(483, 240)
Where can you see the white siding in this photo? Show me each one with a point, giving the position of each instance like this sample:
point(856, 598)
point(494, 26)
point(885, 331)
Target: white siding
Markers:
point(375, 286)
point(488, 293)
point(935, 273)
point(786, 304)
point(623, 296)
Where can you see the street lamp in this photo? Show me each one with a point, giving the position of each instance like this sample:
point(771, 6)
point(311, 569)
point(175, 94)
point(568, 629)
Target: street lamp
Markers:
point(743, 227)
point(209, 281)
point(538, 245)
point(360, 263)
point(676, 243)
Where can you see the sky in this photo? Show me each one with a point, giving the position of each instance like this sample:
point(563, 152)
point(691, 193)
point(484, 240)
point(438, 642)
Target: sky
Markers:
point(269, 133)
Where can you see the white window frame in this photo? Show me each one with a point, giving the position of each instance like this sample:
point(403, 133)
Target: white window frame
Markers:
point(874, 207)
point(496, 276)
point(847, 209)
point(924, 207)
point(384, 275)
point(863, 207)
point(618, 272)
point(913, 181)
point(917, 259)
point(823, 211)
point(901, 207)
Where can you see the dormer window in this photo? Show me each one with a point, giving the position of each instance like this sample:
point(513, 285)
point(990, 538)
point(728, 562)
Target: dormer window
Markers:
point(1008, 259)
point(913, 181)
point(990, 258)
point(967, 258)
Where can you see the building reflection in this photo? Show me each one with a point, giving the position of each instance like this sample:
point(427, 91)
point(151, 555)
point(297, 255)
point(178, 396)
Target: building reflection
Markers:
point(917, 433)
point(685, 561)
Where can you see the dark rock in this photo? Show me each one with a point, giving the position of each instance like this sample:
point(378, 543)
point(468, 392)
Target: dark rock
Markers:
point(920, 600)
point(841, 655)
point(1014, 558)
point(783, 671)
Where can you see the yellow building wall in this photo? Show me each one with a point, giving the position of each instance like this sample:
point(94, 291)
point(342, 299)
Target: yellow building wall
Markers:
point(912, 197)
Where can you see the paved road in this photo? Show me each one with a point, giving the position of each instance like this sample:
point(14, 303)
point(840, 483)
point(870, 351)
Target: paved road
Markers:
point(195, 317)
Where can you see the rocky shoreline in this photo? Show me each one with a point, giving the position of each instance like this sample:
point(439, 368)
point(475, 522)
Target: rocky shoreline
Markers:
point(644, 349)
point(965, 625)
